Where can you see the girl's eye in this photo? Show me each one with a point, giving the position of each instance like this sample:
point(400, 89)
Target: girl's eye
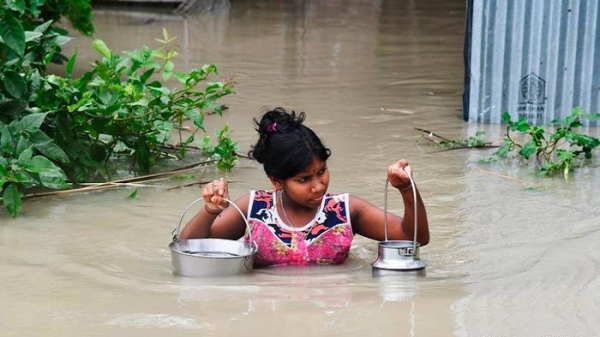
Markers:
point(302, 180)
point(322, 171)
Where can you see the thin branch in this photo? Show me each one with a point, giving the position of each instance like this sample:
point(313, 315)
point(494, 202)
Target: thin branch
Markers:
point(509, 178)
point(120, 182)
point(431, 134)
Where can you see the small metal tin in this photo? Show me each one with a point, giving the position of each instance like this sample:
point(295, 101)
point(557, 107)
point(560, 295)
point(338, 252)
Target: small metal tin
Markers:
point(402, 255)
point(398, 255)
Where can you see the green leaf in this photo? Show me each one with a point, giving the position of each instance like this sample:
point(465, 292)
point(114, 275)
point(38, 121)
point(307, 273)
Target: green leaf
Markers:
point(25, 157)
point(47, 147)
point(11, 31)
point(15, 84)
point(40, 164)
point(5, 139)
point(146, 75)
point(564, 155)
point(570, 120)
point(506, 117)
point(22, 145)
point(16, 5)
point(31, 122)
point(133, 194)
point(71, 64)
point(592, 116)
point(43, 27)
point(62, 40)
point(102, 48)
point(522, 125)
point(54, 179)
point(164, 128)
point(528, 149)
point(32, 36)
point(12, 199)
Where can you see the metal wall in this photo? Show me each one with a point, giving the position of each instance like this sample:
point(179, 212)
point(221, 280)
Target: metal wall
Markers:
point(538, 58)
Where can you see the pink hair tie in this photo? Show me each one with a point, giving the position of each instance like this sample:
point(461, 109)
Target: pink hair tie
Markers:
point(272, 127)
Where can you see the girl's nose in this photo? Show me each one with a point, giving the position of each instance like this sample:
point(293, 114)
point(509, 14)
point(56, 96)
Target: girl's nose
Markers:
point(318, 186)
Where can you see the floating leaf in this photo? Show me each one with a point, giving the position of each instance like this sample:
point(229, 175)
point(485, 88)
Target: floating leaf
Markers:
point(133, 194)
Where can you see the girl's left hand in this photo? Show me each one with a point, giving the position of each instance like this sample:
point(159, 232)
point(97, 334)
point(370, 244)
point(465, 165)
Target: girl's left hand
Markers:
point(399, 173)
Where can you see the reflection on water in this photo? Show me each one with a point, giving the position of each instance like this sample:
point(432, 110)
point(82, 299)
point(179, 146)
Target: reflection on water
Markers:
point(504, 242)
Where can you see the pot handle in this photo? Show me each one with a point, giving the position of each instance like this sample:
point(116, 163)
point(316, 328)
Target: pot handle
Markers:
point(175, 231)
point(385, 193)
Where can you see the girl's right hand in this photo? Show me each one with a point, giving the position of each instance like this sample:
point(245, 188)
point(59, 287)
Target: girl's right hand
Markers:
point(214, 195)
point(399, 174)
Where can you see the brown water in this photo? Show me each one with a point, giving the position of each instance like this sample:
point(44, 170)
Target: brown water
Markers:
point(508, 257)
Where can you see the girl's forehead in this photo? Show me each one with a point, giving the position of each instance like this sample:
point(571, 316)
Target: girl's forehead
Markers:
point(315, 166)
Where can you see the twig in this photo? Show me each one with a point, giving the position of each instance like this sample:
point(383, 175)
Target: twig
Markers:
point(431, 134)
point(118, 183)
point(468, 147)
point(509, 177)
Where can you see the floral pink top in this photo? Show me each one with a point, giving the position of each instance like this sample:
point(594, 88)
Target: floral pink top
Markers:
point(325, 240)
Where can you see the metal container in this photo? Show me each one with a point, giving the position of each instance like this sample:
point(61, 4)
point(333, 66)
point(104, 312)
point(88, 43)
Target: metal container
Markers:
point(398, 255)
point(212, 257)
point(401, 255)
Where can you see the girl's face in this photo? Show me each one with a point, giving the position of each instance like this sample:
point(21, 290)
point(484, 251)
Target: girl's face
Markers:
point(308, 187)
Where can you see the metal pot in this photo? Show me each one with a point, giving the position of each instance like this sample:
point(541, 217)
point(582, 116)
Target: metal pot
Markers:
point(402, 255)
point(398, 255)
point(212, 257)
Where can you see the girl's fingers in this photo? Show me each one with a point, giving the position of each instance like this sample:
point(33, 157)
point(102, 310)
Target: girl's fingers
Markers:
point(215, 193)
point(399, 173)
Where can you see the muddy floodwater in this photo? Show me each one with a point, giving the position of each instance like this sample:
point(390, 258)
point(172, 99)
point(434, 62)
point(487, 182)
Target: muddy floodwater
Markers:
point(511, 253)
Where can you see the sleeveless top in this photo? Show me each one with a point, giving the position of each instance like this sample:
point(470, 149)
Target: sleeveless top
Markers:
point(324, 240)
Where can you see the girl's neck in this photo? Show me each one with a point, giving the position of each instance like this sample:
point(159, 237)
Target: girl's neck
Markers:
point(291, 205)
point(294, 214)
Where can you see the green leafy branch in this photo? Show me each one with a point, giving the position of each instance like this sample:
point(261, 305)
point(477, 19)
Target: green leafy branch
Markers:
point(225, 151)
point(472, 142)
point(27, 158)
point(554, 152)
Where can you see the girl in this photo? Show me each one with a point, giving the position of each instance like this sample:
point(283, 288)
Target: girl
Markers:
point(299, 222)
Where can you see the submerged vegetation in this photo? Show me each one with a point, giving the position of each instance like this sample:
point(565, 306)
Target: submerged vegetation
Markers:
point(555, 152)
point(55, 131)
point(471, 142)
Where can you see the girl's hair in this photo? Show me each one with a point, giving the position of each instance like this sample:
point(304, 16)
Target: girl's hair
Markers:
point(285, 146)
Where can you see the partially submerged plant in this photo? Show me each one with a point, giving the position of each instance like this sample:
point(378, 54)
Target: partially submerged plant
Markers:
point(55, 129)
point(476, 141)
point(225, 151)
point(555, 152)
point(121, 102)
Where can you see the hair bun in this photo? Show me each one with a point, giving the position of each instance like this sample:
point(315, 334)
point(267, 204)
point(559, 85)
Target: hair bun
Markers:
point(285, 146)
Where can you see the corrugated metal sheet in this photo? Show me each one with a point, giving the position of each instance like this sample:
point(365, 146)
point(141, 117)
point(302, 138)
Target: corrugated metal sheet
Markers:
point(538, 58)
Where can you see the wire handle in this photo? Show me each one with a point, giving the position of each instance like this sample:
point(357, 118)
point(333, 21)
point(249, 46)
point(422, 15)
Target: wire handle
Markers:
point(175, 232)
point(385, 214)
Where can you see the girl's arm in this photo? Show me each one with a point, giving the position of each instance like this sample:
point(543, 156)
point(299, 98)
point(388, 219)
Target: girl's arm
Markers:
point(367, 219)
point(216, 219)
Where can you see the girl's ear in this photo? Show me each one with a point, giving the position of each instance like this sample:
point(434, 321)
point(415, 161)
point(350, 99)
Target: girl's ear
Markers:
point(278, 184)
